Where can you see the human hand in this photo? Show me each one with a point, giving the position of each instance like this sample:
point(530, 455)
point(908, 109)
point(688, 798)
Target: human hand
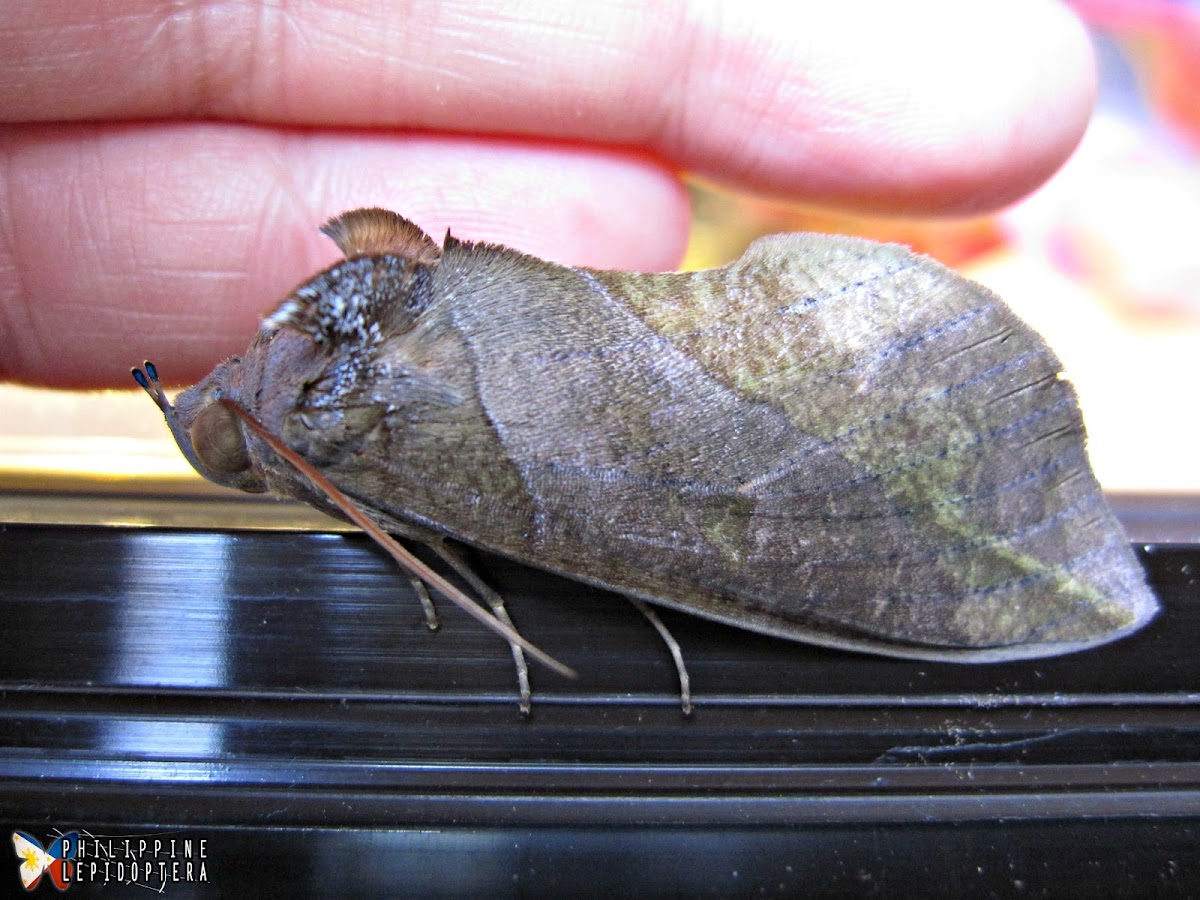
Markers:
point(165, 165)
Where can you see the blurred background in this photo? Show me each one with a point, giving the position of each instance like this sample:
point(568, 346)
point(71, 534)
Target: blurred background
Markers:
point(1104, 261)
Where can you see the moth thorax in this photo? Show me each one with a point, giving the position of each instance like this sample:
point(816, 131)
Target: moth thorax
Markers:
point(345, 304)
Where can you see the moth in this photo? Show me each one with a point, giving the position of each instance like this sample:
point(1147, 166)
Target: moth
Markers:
point(829, 440)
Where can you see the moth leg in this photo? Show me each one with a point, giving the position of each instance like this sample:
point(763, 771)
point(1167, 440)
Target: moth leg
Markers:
point(431, 617)
point(685, 683)
point(401, 554)
point(454, 556)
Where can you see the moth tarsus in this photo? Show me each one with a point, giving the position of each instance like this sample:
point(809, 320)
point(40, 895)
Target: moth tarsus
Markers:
point(431, 616)
point(828, 440)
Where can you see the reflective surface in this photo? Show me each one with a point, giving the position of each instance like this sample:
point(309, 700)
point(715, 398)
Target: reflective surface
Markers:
point(251, 682)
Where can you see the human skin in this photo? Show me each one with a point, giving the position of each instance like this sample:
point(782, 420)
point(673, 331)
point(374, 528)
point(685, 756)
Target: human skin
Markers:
point(164, 165)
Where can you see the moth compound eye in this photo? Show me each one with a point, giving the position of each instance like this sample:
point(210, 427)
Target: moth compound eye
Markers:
point(217, 440)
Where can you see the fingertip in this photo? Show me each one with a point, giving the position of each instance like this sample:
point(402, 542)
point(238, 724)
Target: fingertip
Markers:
point(927, 107)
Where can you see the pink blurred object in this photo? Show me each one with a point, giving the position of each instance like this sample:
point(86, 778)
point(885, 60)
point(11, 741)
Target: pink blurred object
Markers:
point(1164, 37)
point(1124, 213)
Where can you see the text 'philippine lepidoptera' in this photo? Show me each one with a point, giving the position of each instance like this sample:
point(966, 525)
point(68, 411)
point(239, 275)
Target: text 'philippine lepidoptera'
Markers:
point(829, 440)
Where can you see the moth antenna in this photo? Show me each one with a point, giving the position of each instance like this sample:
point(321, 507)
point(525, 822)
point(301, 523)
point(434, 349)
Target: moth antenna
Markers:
point(402, 556)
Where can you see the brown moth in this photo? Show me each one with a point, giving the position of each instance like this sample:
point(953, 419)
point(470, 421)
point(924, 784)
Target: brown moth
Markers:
point(828, 440)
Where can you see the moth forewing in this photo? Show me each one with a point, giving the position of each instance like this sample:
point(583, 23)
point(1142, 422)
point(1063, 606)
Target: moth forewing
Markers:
point(828, 440)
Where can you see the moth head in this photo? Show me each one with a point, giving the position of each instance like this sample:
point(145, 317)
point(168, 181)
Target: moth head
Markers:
point(357, 317)
point(319, 348)
point(209, 434)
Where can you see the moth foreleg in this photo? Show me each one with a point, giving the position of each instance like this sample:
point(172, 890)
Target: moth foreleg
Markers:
point(454, 557)
point(685, 683)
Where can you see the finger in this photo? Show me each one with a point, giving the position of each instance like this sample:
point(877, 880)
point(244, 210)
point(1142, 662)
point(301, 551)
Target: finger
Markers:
point(924, 106)
point(183, 235)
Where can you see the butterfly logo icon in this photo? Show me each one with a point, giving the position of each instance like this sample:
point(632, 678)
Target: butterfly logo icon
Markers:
point(56, 860)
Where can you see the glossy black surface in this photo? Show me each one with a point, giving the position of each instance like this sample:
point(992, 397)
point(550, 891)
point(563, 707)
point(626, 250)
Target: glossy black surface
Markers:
point(281, 695)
